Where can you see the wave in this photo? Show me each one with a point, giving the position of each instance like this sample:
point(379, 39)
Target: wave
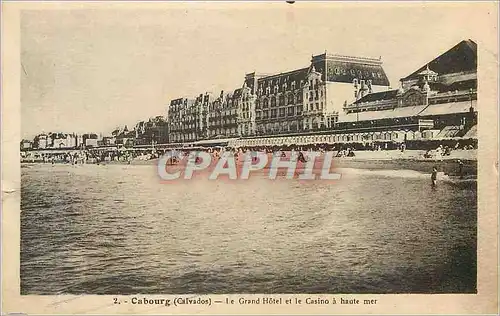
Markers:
point(401, 173)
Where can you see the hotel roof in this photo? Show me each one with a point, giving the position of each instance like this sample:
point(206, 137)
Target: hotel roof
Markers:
point(294, 75)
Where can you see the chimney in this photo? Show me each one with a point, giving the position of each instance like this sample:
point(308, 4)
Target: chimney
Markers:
point(355, 84)
point(363, 89)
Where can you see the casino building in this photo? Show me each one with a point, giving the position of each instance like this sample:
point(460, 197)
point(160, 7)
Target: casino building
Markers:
point(438, 100)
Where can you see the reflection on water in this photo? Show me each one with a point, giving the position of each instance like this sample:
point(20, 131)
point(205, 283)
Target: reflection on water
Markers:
point(117, 230)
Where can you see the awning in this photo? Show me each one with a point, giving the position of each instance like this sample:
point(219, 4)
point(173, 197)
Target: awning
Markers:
point(214, 141)
point(472, 133)
point(448, 108)
point(407, 111)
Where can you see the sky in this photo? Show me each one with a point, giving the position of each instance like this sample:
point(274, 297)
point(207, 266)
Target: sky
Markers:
point(91, 70)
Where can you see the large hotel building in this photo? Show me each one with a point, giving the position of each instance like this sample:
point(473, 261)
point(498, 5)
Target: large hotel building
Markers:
point(337, 94)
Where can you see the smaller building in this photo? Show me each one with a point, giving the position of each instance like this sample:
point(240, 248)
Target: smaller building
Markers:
point(62, 140)
point(90, 140)
point(26, 144)
point(41, 141)
point(108, 141)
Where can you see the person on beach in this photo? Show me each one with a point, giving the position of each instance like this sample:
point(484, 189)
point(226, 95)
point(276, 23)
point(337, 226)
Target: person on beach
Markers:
point(301, 157)
point(434, 176)
point(461, 169)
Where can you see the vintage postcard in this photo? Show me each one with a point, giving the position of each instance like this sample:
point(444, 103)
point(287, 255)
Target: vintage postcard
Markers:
point(249, 158)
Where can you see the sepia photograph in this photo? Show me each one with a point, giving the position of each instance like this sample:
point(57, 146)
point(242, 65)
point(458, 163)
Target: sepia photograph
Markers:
point(273, 148)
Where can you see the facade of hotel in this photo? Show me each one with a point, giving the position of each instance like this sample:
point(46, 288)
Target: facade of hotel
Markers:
point(302, 100)
point(223, 115)
point(188, 118)
point(312, 98)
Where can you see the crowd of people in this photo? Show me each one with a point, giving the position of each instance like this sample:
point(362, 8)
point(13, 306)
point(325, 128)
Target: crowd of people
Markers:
point(106, 155)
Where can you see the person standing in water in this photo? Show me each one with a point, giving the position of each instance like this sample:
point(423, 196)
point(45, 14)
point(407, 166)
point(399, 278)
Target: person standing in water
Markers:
point(461, 169)
point(434, 176)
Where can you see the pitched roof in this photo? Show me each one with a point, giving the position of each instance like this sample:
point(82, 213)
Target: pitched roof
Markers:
point(237, 93)
point(461, 57)
point(378, 96)
point(460, 85)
